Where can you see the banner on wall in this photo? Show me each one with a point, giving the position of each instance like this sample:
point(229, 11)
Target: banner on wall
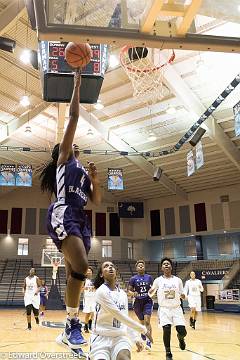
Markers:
point(199, 155)
point(207, 275)
point(7, 174)
point(190, 163)
point(236, 112)
point(24, 175)
point(115, 179)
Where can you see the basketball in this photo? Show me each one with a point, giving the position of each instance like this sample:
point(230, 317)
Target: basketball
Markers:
point(78, 55)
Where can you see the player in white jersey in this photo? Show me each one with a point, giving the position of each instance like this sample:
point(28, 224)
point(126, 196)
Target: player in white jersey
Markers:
point(169, 290)
point(31, 290)
point(193, 288)
point(88, 300)
point(113, 330)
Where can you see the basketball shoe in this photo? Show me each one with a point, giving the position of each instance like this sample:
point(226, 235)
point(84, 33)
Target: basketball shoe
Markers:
point(148, 345)
point(78, 353)
point(73, 333)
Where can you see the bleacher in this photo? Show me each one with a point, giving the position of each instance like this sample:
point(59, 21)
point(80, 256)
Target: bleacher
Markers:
point(12, 280)
point(2, 268)
point(13, 272)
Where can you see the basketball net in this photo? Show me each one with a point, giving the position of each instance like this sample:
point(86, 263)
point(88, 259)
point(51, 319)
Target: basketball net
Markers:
point(55, 264)
point(146, 78)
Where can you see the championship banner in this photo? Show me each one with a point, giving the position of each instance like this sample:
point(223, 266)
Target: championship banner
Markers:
point(24, 175)
point(7, 174)
point(115, 179)
point(199, 155)
point(236, 112)
point(190, 163)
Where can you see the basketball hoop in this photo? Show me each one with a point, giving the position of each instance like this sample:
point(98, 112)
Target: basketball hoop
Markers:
point(145, 76)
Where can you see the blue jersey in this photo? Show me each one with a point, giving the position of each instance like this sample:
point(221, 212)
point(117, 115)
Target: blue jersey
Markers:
point(141, 284)
point(73, 184)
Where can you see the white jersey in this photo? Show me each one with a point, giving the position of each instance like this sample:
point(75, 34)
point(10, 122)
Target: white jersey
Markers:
point(168, 291)
point(111, 316)
point(193, 287)
point(31, 296)
point(89, 290)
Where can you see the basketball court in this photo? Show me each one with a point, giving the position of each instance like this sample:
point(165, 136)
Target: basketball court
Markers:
point(160, 117)
point(217, 338)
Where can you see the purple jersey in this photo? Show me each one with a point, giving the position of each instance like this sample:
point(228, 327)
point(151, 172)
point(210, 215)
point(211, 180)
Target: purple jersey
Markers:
point(141, 284)
point(66, 215)
point(43, 290)
point(73, 184)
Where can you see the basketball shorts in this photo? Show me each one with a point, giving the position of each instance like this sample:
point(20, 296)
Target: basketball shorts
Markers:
point(172, 316)
point(32, 299)
point(64, 220)
point(107, 348)
point(89, 305)
point(194, 302)
point(143, 307)
point(43, 300)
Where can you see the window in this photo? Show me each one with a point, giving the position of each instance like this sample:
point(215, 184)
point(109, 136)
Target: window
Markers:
point(190, 247)
point(107, 248)
point(130, 250)
point(22, 246)
point(168, 249)
point(225, 246)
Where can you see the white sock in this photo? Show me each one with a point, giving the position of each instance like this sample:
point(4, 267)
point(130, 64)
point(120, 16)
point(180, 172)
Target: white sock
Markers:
point(72, 312)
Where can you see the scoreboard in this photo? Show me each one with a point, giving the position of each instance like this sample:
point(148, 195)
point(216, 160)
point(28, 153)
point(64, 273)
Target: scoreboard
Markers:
point(57, 75)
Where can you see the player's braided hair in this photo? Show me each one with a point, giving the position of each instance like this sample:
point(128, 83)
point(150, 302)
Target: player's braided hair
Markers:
point(48, 174)
point(99, 280)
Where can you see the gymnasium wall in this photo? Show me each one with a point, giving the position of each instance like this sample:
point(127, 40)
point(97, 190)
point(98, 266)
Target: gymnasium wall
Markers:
point(221, 246)
point(174, 235)
point(23, 213)
point(202, 213)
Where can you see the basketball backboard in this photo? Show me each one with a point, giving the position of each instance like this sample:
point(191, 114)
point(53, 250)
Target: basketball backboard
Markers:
point(165, 24)
point(51, 258)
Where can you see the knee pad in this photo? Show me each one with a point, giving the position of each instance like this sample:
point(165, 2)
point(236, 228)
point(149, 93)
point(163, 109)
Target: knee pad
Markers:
point(78, 276)
point(35, 311)
point(28, 309)
point(181, 330)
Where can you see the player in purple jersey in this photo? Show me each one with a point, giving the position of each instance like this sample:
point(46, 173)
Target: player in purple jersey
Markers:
point(67, 222)
point(138, 288)
point(43, 297)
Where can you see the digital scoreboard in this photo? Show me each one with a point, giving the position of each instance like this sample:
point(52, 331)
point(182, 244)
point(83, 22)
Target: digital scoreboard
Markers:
point(57, 75)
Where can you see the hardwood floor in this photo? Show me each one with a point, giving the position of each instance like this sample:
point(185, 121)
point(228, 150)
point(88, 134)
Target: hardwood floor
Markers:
point(217, 337)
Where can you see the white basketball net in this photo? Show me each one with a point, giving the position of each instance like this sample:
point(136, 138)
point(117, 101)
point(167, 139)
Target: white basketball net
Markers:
point(146, 78)
point(55, 264)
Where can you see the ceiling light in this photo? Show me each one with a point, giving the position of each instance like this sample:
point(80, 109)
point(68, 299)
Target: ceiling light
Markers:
point(25, 57)
point(25, 101)
point(98, 105)
point(171, 110)
point(90, 133)
point(152, 136)
point(113, 61)
point(28, 130)
point(239, 8)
